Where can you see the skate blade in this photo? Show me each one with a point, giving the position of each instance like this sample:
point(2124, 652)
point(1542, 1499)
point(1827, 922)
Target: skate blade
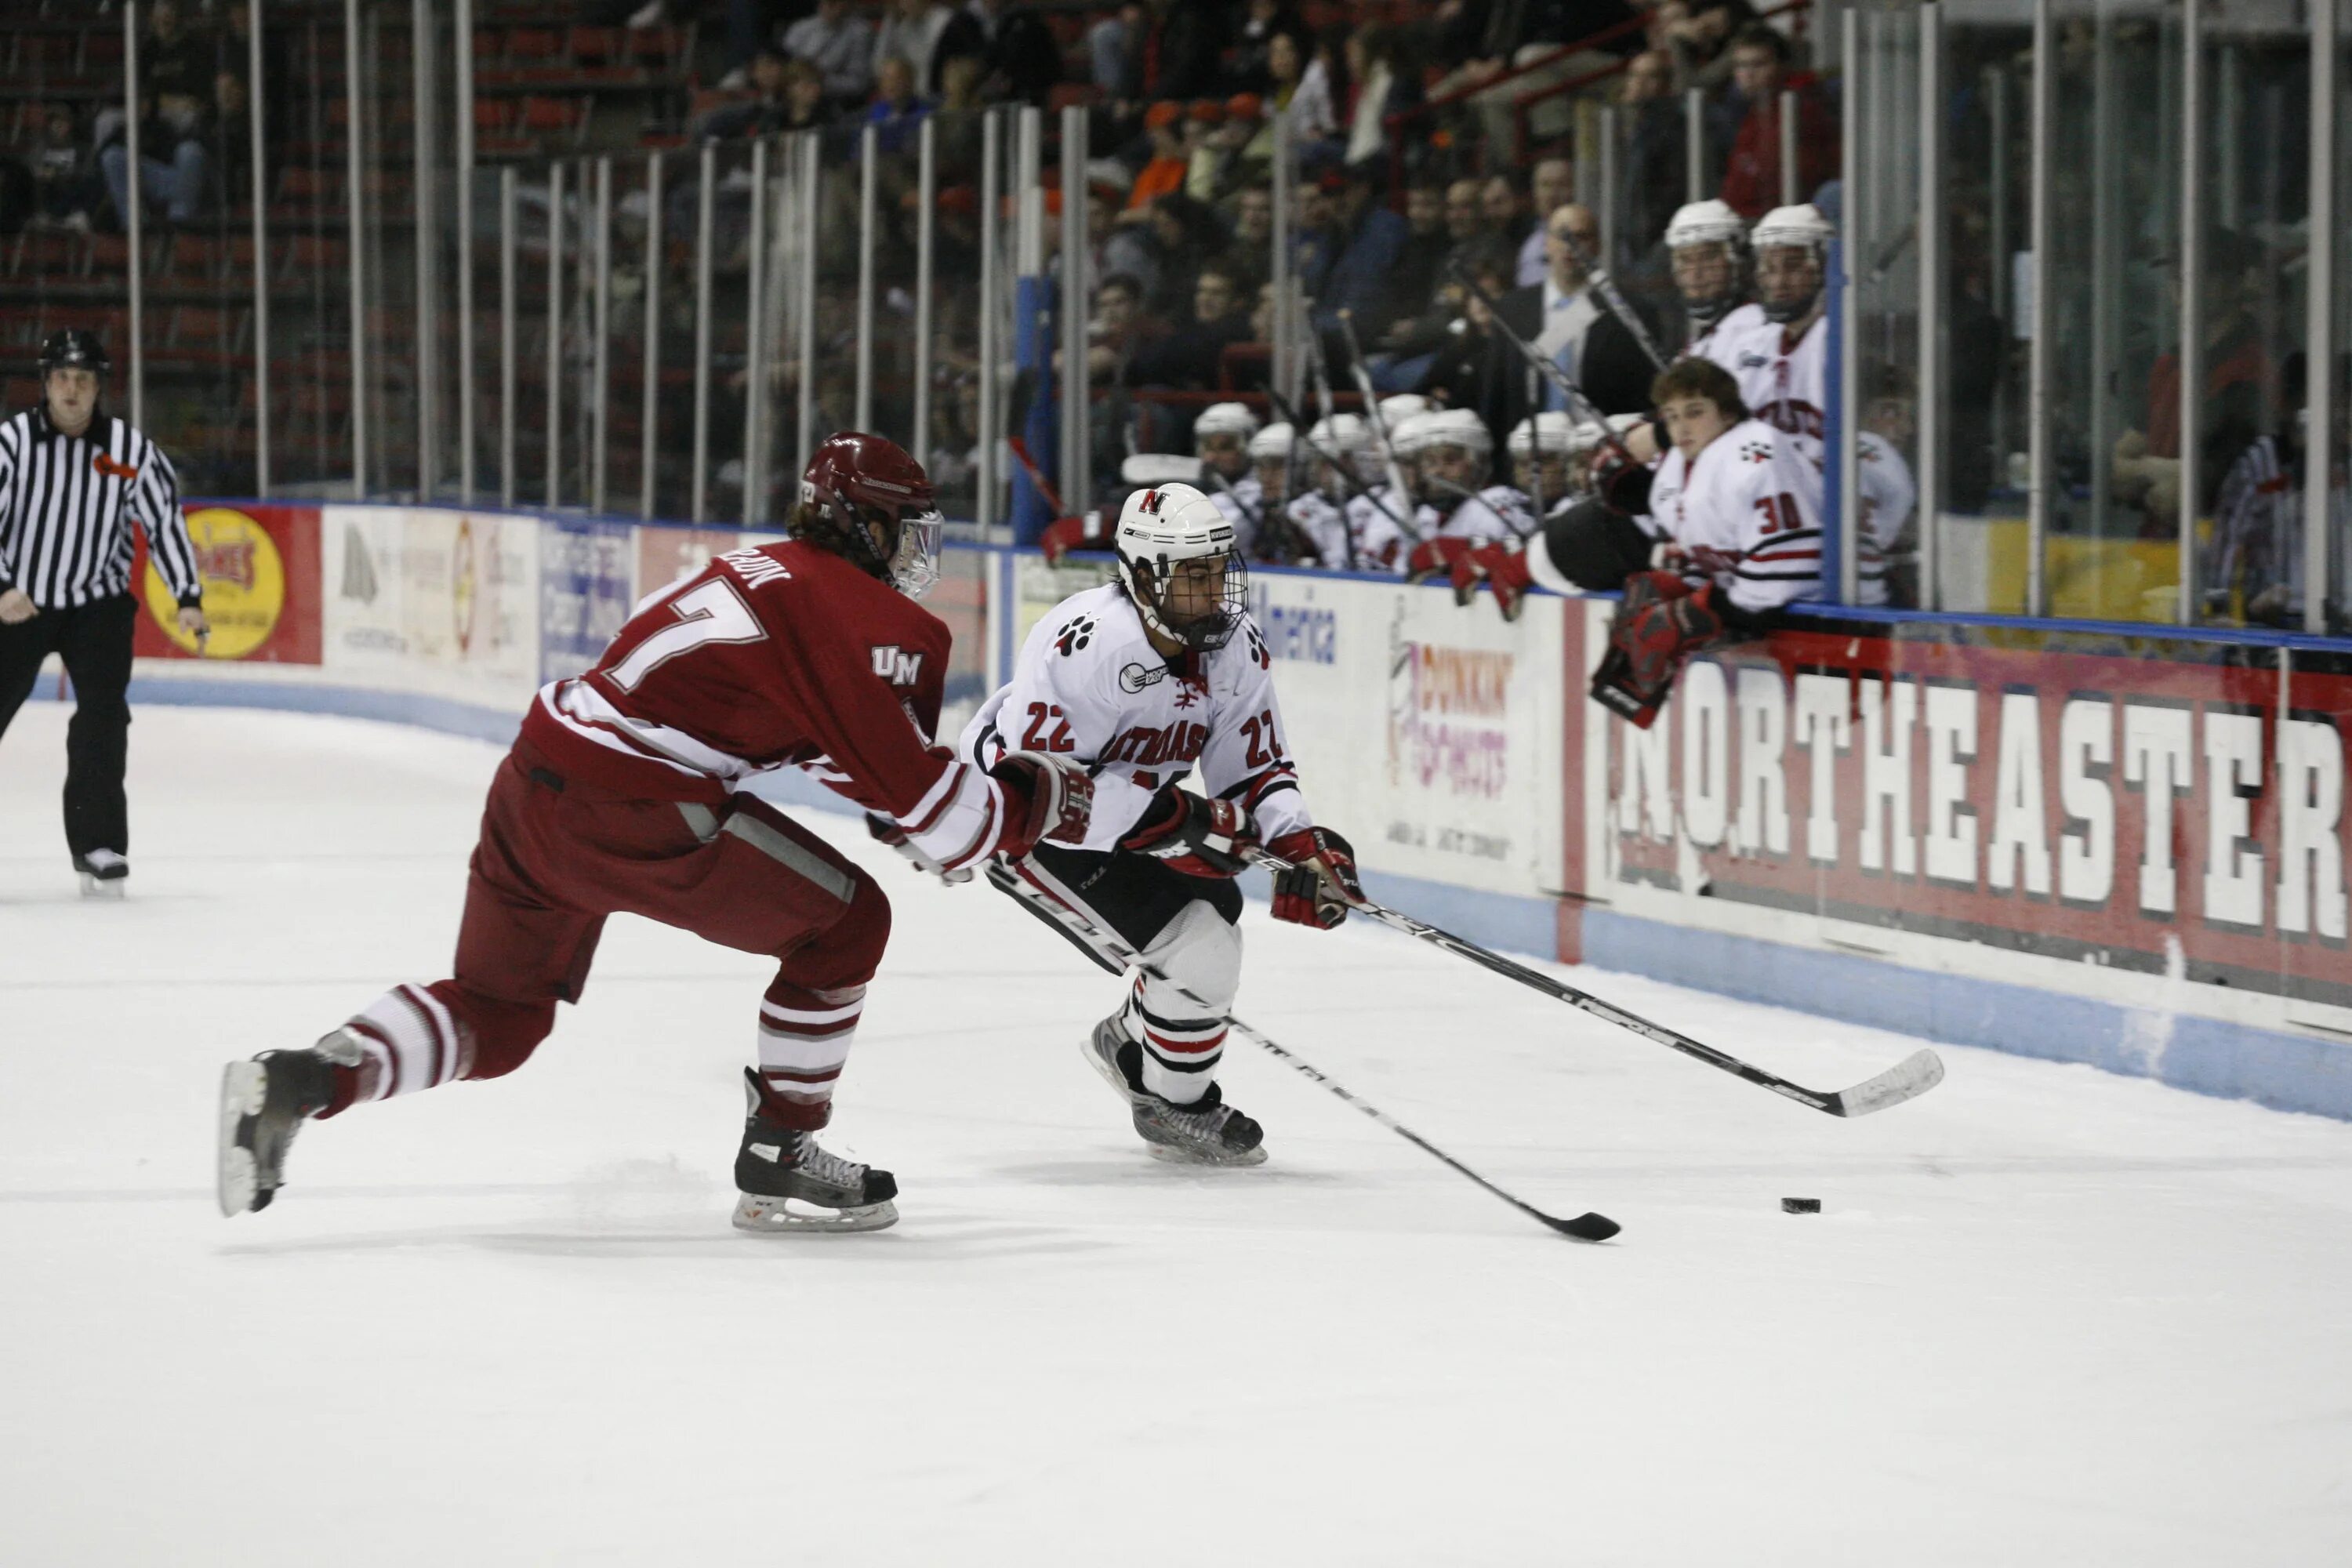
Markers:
point(760, 1215)
point(1171, 1154)
point(244, 1086)
point(94, 887)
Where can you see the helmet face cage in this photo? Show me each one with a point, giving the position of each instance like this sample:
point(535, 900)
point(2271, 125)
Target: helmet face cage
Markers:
point(915, 564)
point(1150, 583)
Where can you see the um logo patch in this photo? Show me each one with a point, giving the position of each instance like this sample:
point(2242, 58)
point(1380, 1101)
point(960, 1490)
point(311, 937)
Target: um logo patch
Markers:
point(896, 666)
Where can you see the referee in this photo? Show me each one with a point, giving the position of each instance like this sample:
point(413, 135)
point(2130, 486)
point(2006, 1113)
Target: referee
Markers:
point(72, 478)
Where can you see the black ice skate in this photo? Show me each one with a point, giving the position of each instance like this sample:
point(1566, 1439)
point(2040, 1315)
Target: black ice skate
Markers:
point(782, 1167)
point(1206, 1132)
point(103, 873)
point(263, 1103)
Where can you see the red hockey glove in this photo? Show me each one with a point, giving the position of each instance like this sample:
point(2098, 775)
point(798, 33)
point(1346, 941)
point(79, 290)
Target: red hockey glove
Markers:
point(1662, 623)
point(1322, 882)
point(1065, 534)
point(1435, 558)
point(1194, 835)
point(1506, 570)
point(1048, 797)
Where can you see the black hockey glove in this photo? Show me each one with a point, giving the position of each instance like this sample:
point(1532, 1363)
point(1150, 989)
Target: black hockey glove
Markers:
point(1322, 882)
point(1194, 835)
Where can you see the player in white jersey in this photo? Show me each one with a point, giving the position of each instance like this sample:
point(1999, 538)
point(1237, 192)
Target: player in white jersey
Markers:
point(1888, 495)
point(1461, 510)
point(1347, 532)
point(1221, 438)
point(1268, 535)
point(1740, 506)
point(1706, 247)
point(1140, 679)
point(1782, 362)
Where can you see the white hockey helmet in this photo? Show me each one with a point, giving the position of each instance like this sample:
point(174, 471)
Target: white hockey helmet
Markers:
point(1346, 435)
point(1225, 419)
point(1407, 435)
point(1710, 222)
point(1458, 427)
point(1801, 225)
point(1160, 530)
point(1553, 432)
point(1396, 410)
point(1272, 443)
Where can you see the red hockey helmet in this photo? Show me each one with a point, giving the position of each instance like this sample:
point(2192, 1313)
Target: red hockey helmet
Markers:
point(856, 482)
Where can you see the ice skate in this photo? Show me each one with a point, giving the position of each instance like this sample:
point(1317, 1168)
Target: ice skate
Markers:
point(263, 1103)
point(1208, 1132)
point(104, 873)
point(785, 1183)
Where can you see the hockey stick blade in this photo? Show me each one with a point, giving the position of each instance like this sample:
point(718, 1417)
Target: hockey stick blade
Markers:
point(1912, 1077)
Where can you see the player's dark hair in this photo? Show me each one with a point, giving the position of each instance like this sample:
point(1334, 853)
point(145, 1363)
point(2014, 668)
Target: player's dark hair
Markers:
point(1696, 377)
point(1761, 36)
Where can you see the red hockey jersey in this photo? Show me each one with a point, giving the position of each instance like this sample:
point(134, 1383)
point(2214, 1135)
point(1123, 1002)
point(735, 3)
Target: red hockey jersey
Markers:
point(781, 656)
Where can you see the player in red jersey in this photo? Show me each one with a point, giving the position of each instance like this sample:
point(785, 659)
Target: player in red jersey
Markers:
point(623, 793)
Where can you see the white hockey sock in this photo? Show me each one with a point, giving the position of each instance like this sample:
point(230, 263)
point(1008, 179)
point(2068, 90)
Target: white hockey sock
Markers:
point(1180, 1055)
point(804, 1037)
point(407, 1041)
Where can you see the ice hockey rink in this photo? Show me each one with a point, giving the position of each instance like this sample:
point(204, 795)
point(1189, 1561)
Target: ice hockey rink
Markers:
point(2046, 1315)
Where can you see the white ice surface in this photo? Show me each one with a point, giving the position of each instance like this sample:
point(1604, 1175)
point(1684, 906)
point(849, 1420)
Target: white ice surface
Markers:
point(2047, 1316)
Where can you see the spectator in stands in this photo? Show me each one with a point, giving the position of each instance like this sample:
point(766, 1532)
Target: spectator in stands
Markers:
point(1187, 357)
point(1019, 57)
point(1656, 170)
point(1466, 218)
point(911, 30)
point(1301, 85)
point(1695, 33)
point(1183, 50)
point(1115, 328)
point(1262, 19)
point(1420, 264)
point(1115, 50)
point(1249, 257)
point(1164, 171)
point(1504, 200)
point(960, 96)
point(231, 116)
point(1185, 236)
point(1553, 186)
point(1347, 246)
point(840, 43)
point(1385, 84)
point(2239, 395)
point(1219, 168)
point(174, 92)
point(897, 109)
point(1569, 326)
point(786, 95)
point(66, 185)
point(1477, 368)
point(1751, 177)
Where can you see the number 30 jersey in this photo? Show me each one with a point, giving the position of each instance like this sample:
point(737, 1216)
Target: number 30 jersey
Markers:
point(781, 656)
point(1089, 684)
point(1747, 514)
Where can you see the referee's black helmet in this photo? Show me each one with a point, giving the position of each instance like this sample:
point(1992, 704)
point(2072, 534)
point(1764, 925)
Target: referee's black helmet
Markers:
point(73, 348)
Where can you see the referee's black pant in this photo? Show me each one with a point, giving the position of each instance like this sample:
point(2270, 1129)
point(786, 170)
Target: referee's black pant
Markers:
point(94, 640)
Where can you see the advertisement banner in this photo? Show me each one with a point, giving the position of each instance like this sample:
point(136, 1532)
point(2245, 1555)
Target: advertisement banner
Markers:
point(667, 555)
point(260, 571)
point(2142, 813)
point(442, 602)
point(585, 571)
point(1428, 734)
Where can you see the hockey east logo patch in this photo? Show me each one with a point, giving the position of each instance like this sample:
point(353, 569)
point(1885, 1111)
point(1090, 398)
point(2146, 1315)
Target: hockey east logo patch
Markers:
point(896, 665)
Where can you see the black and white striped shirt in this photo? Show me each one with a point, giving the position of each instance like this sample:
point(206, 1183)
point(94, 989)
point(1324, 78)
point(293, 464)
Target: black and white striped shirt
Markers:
point(66, 507)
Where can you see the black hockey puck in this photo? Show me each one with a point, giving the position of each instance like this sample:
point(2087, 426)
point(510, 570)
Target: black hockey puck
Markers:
point(1800, 1205)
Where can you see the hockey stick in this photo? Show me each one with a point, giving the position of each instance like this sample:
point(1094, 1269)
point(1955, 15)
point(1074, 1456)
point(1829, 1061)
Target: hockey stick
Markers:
point(1372, 417)
point(1096, 943)
point(1619, 306)
point(1913, 1076)
point(1584, 407)
point(1323, 395)
point(1019, 444)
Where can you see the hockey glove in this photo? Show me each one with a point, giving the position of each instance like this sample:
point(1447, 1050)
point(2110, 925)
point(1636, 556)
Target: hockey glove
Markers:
point(1322, 882)
point(1065, 534)
point(1435, 558)
point(1046, 797)
point(888, 832)
point(1661, 623)
point(1506, 570)
point(1194, 835)
point(1622, 485)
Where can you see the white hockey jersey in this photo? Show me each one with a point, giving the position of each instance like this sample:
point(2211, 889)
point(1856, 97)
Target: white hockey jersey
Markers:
point(1242, 504)
point(1888, 494)
point(1785, 386)
point(1720, 341)
point(1090, 685)
point(1746, 515)
point(1499, 511)
point(1354, 535)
